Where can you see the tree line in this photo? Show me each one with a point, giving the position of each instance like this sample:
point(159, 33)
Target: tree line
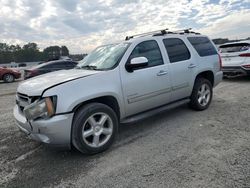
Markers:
point(30, 53)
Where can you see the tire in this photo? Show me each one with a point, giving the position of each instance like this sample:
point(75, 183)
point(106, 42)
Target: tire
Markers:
point(8, 78)
point(99, 135)
point(202, 94)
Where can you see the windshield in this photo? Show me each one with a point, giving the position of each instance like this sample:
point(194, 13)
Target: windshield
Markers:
point(103, 57)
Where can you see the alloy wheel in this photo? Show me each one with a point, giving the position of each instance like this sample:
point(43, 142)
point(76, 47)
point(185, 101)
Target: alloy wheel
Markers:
point(97, 130)
point(204, 94)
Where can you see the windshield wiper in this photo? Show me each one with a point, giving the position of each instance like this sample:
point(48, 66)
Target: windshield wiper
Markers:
point(89, 67)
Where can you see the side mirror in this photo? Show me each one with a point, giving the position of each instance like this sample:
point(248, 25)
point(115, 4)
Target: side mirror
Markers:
point(135, 63)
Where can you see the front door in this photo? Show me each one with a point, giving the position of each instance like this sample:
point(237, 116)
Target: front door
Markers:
point(147, 87)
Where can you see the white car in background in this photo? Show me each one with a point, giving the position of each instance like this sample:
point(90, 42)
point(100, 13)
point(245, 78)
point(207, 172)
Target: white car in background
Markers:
point(235, 58)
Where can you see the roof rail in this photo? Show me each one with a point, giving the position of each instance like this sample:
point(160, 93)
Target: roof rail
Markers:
point(184, 31)
point(163, 31)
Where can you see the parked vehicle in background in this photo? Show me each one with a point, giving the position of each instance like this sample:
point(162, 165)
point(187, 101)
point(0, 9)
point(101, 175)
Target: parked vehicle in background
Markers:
point(9, 75)
point(115, 83)
point(235, 58)
point(22, 65)
point(47, 67)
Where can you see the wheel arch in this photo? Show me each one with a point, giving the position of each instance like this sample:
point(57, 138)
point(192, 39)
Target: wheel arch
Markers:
point(209, 75)
point(108, 100)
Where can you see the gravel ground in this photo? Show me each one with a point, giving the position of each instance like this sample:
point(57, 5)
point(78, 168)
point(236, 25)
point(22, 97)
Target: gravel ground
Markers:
point(178, 148)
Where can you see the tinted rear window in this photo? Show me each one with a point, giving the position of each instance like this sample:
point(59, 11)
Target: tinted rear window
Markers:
point(203, 46)
point(230, 48)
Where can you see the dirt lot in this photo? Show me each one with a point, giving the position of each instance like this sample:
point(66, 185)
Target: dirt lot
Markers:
point(178, 148)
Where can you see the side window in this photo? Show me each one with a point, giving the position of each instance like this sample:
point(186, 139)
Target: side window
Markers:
point(150, 50)
point(177, 50)
point(203, 46)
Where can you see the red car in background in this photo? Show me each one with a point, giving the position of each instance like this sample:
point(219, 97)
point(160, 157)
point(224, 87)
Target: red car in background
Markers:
point(9, 75)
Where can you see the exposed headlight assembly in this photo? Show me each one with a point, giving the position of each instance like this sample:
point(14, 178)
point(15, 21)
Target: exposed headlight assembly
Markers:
point(44, 108)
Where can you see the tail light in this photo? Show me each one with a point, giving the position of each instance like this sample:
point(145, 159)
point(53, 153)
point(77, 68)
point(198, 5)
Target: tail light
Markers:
point(220, 62)
point(245, 55)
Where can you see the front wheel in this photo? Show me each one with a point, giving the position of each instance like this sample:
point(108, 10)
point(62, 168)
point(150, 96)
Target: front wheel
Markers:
point(94, 128)
point(201, 95)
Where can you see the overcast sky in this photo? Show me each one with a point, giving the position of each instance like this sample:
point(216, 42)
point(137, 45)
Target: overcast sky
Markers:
point(83, 25)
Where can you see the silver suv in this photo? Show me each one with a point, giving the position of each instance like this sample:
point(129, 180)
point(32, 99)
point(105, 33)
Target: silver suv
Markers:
point(118, 83)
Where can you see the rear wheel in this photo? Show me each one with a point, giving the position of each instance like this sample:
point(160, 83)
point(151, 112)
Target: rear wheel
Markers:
point(8, 78)
point(94, 128)
point(201, 95)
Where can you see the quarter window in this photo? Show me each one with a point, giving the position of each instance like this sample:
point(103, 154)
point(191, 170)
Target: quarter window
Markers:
point(203, 46)
point(177, 50)
point(150, 50)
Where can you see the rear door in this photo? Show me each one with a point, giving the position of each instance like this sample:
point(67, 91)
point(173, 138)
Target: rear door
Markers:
point(234, 54)
point(182, 67)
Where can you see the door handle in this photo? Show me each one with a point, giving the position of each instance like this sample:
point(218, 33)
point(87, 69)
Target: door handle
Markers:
point(191, 66)
point(161, 73)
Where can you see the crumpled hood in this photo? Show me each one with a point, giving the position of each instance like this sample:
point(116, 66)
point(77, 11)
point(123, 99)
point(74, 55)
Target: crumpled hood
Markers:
point(35, 86)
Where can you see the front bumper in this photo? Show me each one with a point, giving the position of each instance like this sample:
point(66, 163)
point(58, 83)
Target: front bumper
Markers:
point(55, 131)
point(235, 71)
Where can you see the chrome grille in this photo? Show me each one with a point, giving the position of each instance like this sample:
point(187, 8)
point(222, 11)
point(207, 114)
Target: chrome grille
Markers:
point(23, 100)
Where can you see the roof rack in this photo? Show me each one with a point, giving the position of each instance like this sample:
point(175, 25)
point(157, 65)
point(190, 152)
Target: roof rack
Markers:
point(163, 32)
point(185, 31)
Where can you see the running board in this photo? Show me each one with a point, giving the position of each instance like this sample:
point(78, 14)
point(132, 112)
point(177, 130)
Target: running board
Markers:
point(153, 112)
